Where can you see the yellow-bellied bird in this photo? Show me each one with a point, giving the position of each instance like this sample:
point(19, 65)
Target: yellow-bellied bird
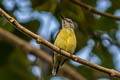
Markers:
point(65, 40)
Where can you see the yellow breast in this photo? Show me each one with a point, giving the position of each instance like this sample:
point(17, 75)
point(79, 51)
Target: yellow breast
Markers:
point(66, 40)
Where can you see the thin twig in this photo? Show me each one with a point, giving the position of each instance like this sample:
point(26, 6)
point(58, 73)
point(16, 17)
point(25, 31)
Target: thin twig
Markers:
point(41, 40)
point(93, 10)
point(27, 48)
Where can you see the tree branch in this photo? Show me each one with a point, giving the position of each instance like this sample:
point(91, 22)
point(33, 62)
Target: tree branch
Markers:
point(27, 48)
point(41, 40)
point(93, 10)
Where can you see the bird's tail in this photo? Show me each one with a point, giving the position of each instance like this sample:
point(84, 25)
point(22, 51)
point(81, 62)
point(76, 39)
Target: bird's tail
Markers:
point(55, 70)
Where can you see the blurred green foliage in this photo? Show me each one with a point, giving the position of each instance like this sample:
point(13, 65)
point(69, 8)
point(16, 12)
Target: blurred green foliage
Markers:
point(13, 62)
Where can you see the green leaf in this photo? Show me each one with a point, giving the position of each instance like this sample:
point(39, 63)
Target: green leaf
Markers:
point(6, 25)
point(16, 66)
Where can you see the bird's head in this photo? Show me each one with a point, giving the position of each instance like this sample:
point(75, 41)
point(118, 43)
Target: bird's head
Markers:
point(67, 23)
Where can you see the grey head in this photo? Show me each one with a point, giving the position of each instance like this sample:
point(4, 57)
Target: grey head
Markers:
point(67, 23)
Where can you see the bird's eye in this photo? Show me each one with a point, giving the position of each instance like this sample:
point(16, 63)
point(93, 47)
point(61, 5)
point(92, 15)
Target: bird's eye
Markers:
point(69, 21)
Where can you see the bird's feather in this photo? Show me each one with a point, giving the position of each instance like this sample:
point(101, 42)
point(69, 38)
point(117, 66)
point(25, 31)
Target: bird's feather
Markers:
point(65, 40)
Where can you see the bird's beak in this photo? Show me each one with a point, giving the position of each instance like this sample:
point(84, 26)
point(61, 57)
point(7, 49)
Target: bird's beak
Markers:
point(62, 17)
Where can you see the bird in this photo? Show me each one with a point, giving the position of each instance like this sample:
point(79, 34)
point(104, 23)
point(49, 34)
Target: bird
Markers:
point(65, 40)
